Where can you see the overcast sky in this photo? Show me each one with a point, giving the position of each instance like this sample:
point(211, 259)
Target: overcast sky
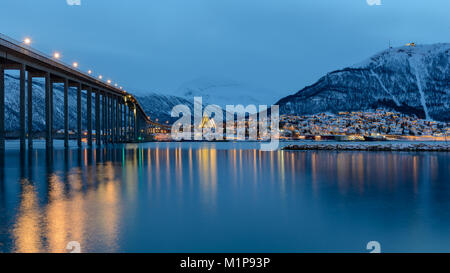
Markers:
point(279, 45)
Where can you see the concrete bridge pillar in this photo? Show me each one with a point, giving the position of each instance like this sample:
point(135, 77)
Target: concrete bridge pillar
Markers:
point(97, 118)
point(117, 119)
point(108, 115)
point(89, 116)
point(51, 111)
point(124, 122)
point(136, 126)
point(30, 109)
point(113, 119)
point(103, 118)
point(2, 107)
point(22, 106)
point(48, 126)
point(79, 126)
point(130, 125)
point(106, 118)
point(66, 113)
point(120, 121)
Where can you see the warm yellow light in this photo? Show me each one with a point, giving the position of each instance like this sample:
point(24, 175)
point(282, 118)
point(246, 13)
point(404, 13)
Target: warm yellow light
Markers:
point(100, 77)
point(109, 81)
point(89, 71)
point(56, 55)
point(75, 64)
point(27, 41)
point(121, 88)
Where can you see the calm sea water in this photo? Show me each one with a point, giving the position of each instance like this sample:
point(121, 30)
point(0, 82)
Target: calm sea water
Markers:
point(222, 197)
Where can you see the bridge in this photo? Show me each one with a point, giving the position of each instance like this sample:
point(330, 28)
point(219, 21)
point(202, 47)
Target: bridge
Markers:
point(118, 115)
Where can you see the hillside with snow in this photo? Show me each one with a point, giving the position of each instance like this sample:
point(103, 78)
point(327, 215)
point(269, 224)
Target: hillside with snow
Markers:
point(410, 80)
point(12, 94)
point(159, 106)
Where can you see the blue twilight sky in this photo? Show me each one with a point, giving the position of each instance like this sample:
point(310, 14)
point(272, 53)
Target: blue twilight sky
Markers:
point(278, 45)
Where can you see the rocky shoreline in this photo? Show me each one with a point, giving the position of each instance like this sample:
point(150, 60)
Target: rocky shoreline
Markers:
point(413, 147)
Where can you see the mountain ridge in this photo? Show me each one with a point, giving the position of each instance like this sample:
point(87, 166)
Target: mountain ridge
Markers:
point(411, 80)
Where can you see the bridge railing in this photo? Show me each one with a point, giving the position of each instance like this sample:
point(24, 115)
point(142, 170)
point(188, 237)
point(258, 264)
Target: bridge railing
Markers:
point(26, 49)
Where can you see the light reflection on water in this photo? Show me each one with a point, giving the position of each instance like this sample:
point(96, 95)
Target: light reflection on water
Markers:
point(194, 197)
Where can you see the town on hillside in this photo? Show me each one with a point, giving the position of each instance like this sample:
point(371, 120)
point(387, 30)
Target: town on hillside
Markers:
point(371, 125)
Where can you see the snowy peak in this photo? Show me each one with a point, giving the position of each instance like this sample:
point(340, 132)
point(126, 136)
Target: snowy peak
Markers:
point(224, 92)
point(398, 55)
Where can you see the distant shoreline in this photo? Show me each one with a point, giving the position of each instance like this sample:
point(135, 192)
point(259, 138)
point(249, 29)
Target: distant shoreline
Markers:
point(401, 147)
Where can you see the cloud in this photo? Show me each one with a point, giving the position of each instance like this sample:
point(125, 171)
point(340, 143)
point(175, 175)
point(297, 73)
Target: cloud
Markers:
point(374, 2)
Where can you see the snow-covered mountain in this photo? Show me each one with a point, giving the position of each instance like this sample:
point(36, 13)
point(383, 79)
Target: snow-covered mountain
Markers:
point(159, 106)
point(224, 92)
point(12, 94)
point(411, 80)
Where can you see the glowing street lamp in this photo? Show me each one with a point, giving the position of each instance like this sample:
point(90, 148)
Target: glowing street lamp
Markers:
point(89, 72)
point(56, 55)
point(27, 41)
point(100, 77)
point(75, 64)
point(109, 81)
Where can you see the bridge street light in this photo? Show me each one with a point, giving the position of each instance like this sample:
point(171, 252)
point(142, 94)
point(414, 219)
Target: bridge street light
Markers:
point(27, 41)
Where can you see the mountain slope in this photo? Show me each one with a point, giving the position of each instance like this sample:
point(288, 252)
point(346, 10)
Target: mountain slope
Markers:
point(159, 107)
point(411, 80)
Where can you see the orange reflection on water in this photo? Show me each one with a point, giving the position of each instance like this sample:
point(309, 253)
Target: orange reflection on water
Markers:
point(70, 213)
point(27, 230)
point(56, 216)
point(207, 160)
